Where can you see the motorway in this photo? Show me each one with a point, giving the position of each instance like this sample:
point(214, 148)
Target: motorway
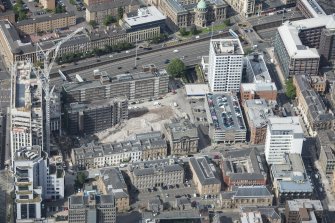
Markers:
point(192, 54)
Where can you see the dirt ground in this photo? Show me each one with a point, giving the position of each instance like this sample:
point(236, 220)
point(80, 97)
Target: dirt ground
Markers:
point(148, 116)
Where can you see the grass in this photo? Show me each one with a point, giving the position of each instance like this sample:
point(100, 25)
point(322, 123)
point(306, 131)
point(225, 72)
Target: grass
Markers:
point(217, 27)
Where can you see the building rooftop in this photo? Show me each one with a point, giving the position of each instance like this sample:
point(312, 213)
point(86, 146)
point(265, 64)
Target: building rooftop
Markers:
point(144, 15)
point(295, 205)
point(251, 217)
point(196, 89)
point(92, 150)
point(322, 21)
point(113, 179)
point(111, 5)
point(289, 125)
point(227, 46)
point(90, 199)
point(29, 153)
point(243, 164)
point(258, 111)
point(316, 107)
point(180, 128)
point(107, 79)
point(44, 18)
point(267, 212)
point(204, 171)
point(252, 191)
point(178, 6)
point(82, 106)
point(152, 166)
point(225, 112)
point(314, 8)
point(256, 69)
point(290, 37)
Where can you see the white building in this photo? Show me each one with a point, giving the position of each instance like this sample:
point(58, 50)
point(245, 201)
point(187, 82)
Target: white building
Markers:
point(55, 182)
point(284, 135)
point(26, 114)
point(225, 65)
point(30, 165)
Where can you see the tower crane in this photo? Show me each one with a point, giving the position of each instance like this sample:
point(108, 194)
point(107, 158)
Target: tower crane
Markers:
point(43, 75)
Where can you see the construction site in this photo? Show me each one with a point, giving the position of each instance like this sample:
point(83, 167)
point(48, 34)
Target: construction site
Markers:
point(149, 116)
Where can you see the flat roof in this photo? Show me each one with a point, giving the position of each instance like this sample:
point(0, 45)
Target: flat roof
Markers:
point(290, 124)
point(145, 15)
point(258, 111)
point(180, 128)
point(290, 37)
point(257, 68)
point(45, 18)
point(322, 21)
point(314, 8)
point(225, 112)
point(295, 205)
point(227, 47)
point(112, 5)
point(196, 89)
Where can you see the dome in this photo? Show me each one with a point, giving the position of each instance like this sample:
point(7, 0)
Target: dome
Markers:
point(202, 5)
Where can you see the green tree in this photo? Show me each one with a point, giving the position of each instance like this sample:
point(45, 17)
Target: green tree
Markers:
point(59, 9)
point(227, 22)
point(120, 12)
point(176, 68)
point(108, 20)
point(290, 89)
point(183, 31)
point(194, 30)
point(22, 16)
point(80, 180)
point(93, 23)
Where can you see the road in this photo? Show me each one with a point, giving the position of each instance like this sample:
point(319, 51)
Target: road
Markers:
point(191, 56)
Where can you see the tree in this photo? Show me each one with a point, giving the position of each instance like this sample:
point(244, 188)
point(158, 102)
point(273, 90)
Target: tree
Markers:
point(120, 12)
point(108, 20)
point(80, 180)
point(92, 23)
point(227, 22)
point(194, 30)
point(59, 9)
point(183, 31)
point(176, 68)
point(22, 16)
point(290, 89)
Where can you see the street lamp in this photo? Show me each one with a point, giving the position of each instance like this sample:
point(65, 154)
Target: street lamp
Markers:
point(136, 52)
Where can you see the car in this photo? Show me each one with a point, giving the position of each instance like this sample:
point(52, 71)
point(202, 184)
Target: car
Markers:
point(167, 61)
point(175, 51)
point(134, 68)
point(119, 68)
point(127, 72)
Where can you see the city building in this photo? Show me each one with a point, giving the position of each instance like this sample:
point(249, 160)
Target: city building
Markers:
point(225, 118)
point(292, 55)
point(144, 147)
point(243, 167)
point(312, 107)
point(318, 83)
point(143, 85)
point(258, 81)
point(48, 4)
point(268, 214)
point(251, 217)
point(333, 182)
point(156, 173)
point(95, 116)
point(310, 8)
point(143, 19)
point(257, 112)
point(299, 45)
point(225, 65)
point(6, 13)
point(246, 8)
point(246, 196)
point(193, 12)
point(30, 164)
point(111, 181)
point(46, 23)
point(98, 10)
point(26, 108)
point(17, 49)
point(289, 179)
point(283, 135)
point(303, 210)
point(55, 182)
point(91, 206)
point(204, 176)
point(182, 136)
point(325, 143)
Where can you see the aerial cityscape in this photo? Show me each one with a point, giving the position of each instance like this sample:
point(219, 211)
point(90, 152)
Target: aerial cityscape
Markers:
point(167, 111)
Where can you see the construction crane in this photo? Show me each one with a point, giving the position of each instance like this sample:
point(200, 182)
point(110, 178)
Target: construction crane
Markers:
point(43, 75)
